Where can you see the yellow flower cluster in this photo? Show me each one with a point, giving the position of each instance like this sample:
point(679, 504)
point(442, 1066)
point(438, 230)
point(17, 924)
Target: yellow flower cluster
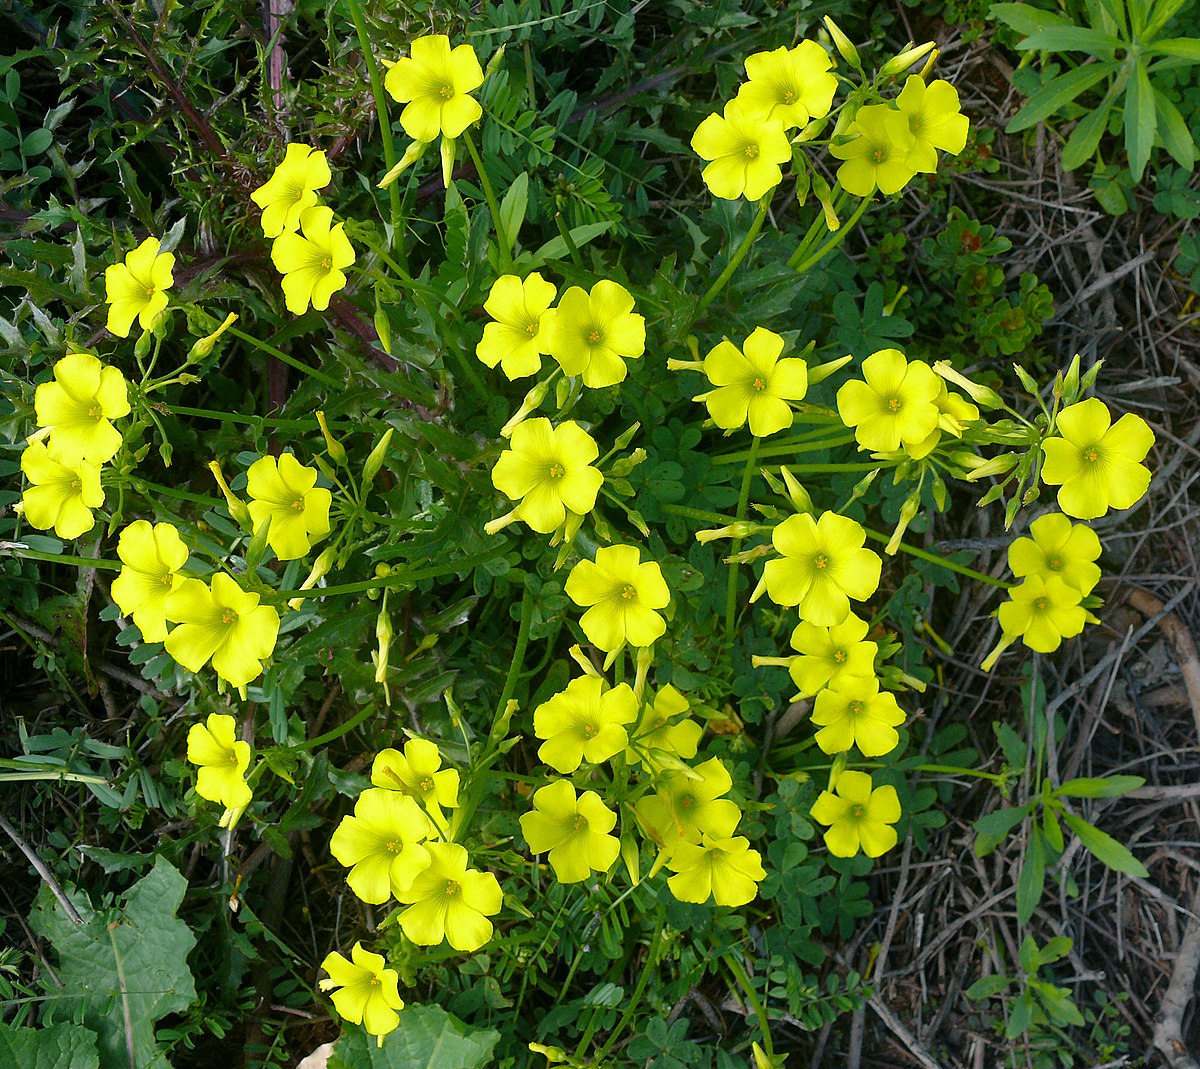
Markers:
point(222, 762)
point(309, 250)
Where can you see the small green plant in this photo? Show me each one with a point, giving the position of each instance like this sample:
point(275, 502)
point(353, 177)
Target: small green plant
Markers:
point(1128, 51)
point(1032, 1004)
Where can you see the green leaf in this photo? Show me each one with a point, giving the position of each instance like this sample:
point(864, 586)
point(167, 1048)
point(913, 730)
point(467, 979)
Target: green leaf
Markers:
point(512, 208)
point(1011, 743)
point(123, 968)
point(1176, 137)
point(1058, 947)
point(61, 1046)
point(1164, 11)
point(1104, 848)
point(1033, 877)
point(987, 986)
point(990, 830)
point(37, 142)
point(1141, 121)
point(556, 248)
point(426, 1038)
point(1026, 19)
point(1101, 787)
point(1021, 1016)
point(1113, 188)
point(1182, 47)
point(1072, 39)
point(1057, 92)
point(1084, 139)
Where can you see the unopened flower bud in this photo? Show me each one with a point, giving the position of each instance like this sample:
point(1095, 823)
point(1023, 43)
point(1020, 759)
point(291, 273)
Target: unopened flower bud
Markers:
point(900, 63)
point(204, 346)
point(980, 394)
point(823, 371)
point(799, 497)
point(320, 569)
point(908, 512)
point(333, 447)
point(237, 507)
point(848, 52)
point(740, 529)
point(532, 400)
point(383, 634)
point(375, 459)
point(449, 150)
point(415, 151)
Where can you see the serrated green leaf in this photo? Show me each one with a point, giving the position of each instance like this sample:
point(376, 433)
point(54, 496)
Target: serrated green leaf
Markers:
point(1104, 848)
point(61, 1046)
point(1057, 92)
point(426, 1038)
point(1072, 39)
point(122, 969)
point(1099, 787)
point(1141, 121)
point(1026, 19)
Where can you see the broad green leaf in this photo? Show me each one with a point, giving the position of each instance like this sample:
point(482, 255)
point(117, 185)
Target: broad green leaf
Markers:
point(1108, 13)
point(1028, 957)
point(1055, 950)
point(991, 829)
point(1026, 19)
point(1052, 830)
point(556, 248)
point(1072, 39)
point(1176, 137)
point(512, 208)
point(1104, 848)
point(1057, 92)
point(1101, 787)
point(1011, 743)
point(426, 1038)
point(1033, 877)
point(1081, 145)
point(1021, 1016)
point(1181, 47)
point(123, 968)
point(61, 1046)
point(1113, 188)
point(987, 986)
point(1141, 121)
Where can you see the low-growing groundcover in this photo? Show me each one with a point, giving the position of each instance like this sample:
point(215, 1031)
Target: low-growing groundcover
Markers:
point(541, 533)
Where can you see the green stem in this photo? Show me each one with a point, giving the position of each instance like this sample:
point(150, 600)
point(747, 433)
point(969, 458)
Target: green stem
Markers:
point(953, 770)
point(381, 111)
point(743, 501)
point(933, 558)
point(266, 421)
point(743, 981)
point(518, 661)
point(397, 578)
point(697, 514)
point(64, 558)
point(337, 732)
point(738, 256)
point(632, 1006)
point(506, 264)
point(291, 361)
point(838, 237)
point(815, 230)
point(787, 449)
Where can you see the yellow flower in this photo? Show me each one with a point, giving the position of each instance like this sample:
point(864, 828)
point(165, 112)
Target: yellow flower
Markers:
point(684, 809)
point(753, 383)
point(954, 413)
point(311, 264)
point(574, 831)
point(79, 405)
point(450, 901)
point(62, 491)
point(418, 773)
point(791, 85)
point(284, 494)
point(1042, 612)
point(291, 189)
point(894, 406)
point(584, 722)
point(369, 993)
point(224, 624)
point(856, 712)
point(934, 120)
point(659, 736)
point(590, 332)
point(878, 154)
point(824, 564)
point(152, 557)
point(1098, 465)
point(222, 761)
point(549, 470)
point(435, 82)
point(746, 149)
point(1058, 547)
point(623, 595)
point(857, 816)
point(726, 869)
point(827, 655)
point(520, 334)
point(380, 844)
point(136, 289)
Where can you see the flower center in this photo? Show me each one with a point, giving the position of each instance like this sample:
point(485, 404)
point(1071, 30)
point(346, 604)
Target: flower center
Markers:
point(76, 485)
point(858, 810)
point(839, 656)
point(149, 291)
point(1091, 454)
point(789, 96)
point(629, 592)
point(557, 471)
point(326, 262)
point(590, 730)
point(820, 561)
point(298, 505)
point(1054, 564)
point(752, 152)
point(228, 616)
point(687, 801)
point(426, 784)
point(446, 92)
point(894, 404)
point(593, 336)
point(879, 155)
point(580, 822)
point(374, 981)
point(393, 847)
point(1041, 604)
point(166, 579)
point(857, 706)
point(451, 887)
point(531, 328)
point(95, 412)
point(233, 757)
point(758, 385)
